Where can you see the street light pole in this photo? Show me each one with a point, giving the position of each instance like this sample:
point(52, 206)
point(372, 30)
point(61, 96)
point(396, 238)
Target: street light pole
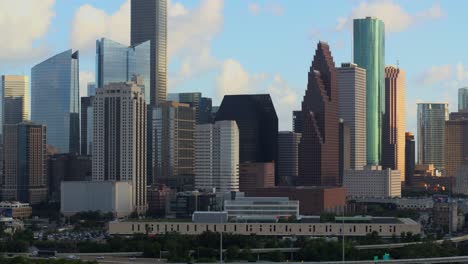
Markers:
point(342, 238)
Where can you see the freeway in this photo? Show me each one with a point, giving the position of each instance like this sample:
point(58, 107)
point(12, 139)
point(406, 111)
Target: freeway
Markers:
point(400, 245)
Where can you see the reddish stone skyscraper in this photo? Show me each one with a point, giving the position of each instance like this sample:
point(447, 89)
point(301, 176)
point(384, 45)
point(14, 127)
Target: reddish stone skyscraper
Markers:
point(319, 146)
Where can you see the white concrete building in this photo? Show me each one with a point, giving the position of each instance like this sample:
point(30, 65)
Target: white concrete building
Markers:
point(372, 181)
point(217, 156)
point(105, 196)
point(119, 138)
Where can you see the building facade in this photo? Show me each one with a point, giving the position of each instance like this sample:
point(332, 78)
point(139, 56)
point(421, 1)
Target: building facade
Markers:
point(25, 176)
point(352, 106)
point(373, 182)
point(463, 99)
point(256, 118)
point(149, 22)
point(410, 157)
point(55, 100)
point(385, 227)
point(288, 157)
point(15, 95)
point(217, 156)
point(119, 63)
point(319, 146)
point(369, 53)
point(119, 146)
point(394, 124)
point(86, 128)
point(201, 104)
point(261, 208)
point(345, 150)
point(431, 133)
point(456, 146)
point(173, 145)
point(254, 175)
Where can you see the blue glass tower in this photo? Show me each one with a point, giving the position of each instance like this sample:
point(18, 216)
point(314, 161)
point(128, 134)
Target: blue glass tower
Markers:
point(369, 53)
point(55, 100)
point(119, 63)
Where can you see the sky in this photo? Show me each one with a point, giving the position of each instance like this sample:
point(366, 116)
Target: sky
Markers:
point(222, 47)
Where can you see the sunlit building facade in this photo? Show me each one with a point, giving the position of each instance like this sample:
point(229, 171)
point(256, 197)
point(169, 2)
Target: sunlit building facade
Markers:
point(16, 106)
point(431, 133)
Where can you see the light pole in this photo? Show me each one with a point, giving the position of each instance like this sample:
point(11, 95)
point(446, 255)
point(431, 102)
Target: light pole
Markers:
point(342, 237)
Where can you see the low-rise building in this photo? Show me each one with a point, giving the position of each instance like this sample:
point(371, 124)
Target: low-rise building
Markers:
point(15, 210)
point(420, 204)
point(261, 208)
point(105, 196)
point(372, 181)
point(355, 227)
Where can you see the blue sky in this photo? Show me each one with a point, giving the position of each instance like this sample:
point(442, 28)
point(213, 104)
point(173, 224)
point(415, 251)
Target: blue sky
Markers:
point(247, 46)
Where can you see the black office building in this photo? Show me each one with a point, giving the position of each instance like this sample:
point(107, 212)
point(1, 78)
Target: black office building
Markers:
point(410, 158)
point(86, 103)
point(258, 126)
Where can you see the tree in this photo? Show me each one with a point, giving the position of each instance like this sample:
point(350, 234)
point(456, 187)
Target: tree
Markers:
point(151, 250)
point(232, 253)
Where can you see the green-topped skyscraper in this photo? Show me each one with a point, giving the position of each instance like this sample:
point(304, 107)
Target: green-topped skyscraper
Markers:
point(369, 53)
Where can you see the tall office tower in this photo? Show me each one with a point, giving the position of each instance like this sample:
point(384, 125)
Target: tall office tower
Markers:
point(394, 126)
point(91, 88)
point(149, 22)
point(55, 100)
point(352, 98)
point(25, 177)
point(119, 144)
point(298, 122)
point(456, 146)
point(463, 99)
point(288, 157)
point(256, 118)
point(201, 104)
point(410, 158)
point(173, 147)
point(369, 53)
point(86, 125)
point(217, 156)
point(15, 98)
point(431, 133)
point(119, 63)
point(345, 149)
point(319, 146)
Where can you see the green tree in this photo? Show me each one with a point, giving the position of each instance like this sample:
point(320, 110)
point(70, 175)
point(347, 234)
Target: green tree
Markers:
point(233, 253)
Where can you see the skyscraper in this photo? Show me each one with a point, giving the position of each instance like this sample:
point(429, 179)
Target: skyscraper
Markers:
point(25, 177)
point(55, 100)
point(288, 157)
point(319, 146)
point(463, 99)
point(410, 158)
point(91, 88)
point(149, 22)
point(120, 63)
point(456, 146)
point(431, 133)
point(256, 118)
point(119, 145)
point(345, 149)
point(201, 104)
point(15, 98)
point(369, 53)
point(173, 149)
point(393, 135)
point(217, 156)
point(86, 125)
point(352, 98)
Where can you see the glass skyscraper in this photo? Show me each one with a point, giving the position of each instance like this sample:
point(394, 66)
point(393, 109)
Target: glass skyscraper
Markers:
point(149, 22)
point(369, 53)
point(55, 100)
point(463, 99)
point(119, 63)
point(431, 133)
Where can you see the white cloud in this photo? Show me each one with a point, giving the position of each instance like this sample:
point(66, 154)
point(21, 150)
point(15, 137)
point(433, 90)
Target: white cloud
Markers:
point(23, 23)
point(91, 23)
point(235, 79)
point(270, 8)
point(436, 74)
point(462, 75)
point(85, 78)
point(394, 16)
